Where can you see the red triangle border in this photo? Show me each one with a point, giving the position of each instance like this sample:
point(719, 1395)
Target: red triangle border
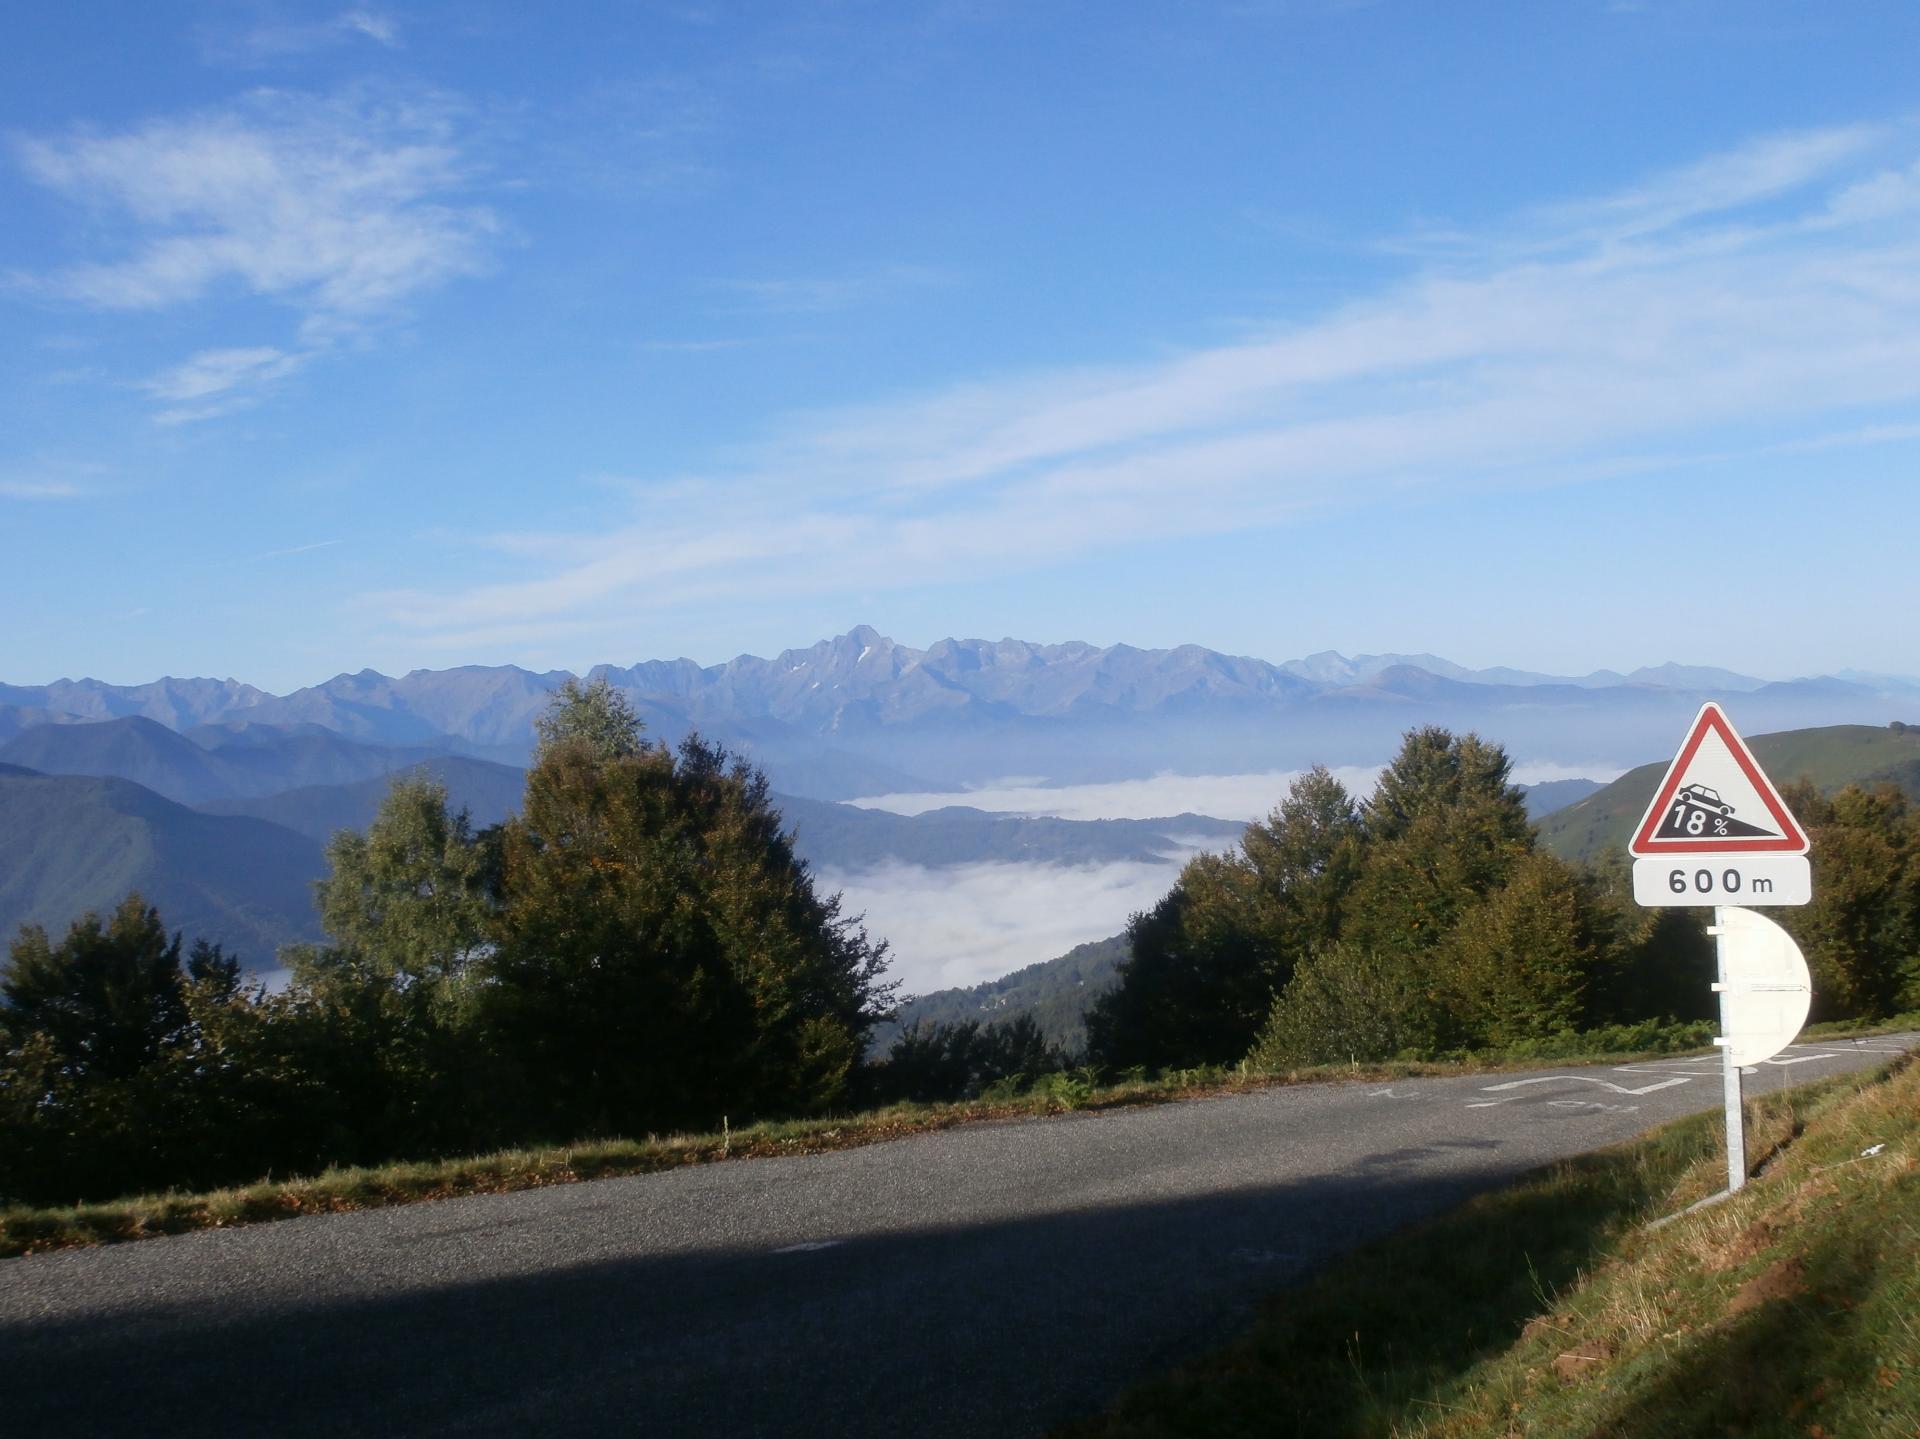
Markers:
point(1792, 840)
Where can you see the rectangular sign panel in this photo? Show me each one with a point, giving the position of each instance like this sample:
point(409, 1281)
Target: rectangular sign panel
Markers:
point(1751, 880)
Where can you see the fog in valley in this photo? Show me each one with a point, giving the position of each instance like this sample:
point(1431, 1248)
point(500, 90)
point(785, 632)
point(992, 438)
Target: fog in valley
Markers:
point(953, 926)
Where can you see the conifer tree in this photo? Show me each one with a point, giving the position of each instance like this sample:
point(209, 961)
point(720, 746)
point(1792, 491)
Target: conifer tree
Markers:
point(101, 1088)
point(1444, 828)
point(663, 957)
point(107, 998)
point(1208, 959)
point(1519, 964)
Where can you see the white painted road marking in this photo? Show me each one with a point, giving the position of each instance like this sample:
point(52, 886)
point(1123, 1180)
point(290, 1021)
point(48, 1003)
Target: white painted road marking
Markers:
point(1585, 1079)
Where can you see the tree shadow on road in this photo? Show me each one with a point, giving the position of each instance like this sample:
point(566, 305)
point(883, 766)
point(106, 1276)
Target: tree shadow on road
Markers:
point(990, 1329)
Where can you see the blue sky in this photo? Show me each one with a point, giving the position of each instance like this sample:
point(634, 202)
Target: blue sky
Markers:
point(1558, 335)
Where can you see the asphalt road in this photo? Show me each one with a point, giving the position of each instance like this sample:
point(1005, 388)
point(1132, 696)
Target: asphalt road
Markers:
point(992, 1280)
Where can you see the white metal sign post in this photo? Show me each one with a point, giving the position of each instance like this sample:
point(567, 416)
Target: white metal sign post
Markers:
point(1718, 833)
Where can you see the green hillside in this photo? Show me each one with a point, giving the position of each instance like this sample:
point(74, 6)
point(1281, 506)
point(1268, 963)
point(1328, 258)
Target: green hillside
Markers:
point(1832, 756)
point(233, 761)
point(71, 843)
point(489, 792)
point(1056, 992)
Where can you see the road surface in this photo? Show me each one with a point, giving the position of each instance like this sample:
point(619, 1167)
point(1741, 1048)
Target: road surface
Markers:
point(990, 1280)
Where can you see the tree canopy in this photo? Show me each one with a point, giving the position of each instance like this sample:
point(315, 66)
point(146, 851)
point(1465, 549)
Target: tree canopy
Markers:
point(1207, 960)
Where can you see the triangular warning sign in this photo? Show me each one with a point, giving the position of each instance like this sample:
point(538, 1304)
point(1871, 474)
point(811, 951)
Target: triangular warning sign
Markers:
point(1716, 799)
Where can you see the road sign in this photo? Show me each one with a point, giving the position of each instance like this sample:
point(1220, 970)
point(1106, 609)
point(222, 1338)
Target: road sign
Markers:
point(1717, 831)
point(1765, 989)
point(1716, 800)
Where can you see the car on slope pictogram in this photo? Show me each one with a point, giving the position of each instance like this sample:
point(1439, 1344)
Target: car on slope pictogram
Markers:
point(1706, 798)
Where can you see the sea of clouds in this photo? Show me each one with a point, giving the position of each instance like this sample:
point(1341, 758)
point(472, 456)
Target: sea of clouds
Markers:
point(960, 925)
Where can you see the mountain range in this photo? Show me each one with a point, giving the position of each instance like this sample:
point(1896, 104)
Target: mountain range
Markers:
point(861, 715)
point(215, 797)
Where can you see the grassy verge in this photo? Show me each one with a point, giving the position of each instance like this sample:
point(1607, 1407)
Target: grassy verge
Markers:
point(1553, 1308)
point(1839, 1028)
point(26, 1230)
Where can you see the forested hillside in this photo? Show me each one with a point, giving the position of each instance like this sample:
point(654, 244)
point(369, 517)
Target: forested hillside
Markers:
point(1429, 919)
point(1055, 994)
point(487, 791)
point(638, 949)
point(215, 763)
point(69, 844)
point(1828, 757)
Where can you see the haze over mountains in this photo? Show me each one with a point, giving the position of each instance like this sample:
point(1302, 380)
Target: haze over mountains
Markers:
point(861, 715)
point(214, 797)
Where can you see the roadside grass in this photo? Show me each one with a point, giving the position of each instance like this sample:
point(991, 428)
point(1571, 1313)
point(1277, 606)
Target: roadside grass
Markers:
point(1907, 1019)
point(31, 1229)
point(1558, 1307)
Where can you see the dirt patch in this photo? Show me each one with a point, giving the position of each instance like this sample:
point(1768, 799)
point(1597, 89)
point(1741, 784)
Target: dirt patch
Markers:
point(1751, 1242)
point(1780, 1280)
point(1582, 1360)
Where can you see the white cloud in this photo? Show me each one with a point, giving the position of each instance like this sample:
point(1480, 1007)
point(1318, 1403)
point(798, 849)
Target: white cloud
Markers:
point(340, 208)
point(39, 490)
point(289, 550)
point(1749, 175)
point(215, 382)
point(965, 924)
point(970, 923)
point(1536, 771)
point(1758, 293)
point(376, 27)
point(1223, 796)
point(265, 44)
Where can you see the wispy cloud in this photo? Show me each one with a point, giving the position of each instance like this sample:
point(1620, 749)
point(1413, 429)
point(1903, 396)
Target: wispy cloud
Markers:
point(215, 382)
point(39, 490)
point(1750, 299)
point(265, 44)
point(338, 207)
point(291, 550)
point(342, 209)
point(1739, 181)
